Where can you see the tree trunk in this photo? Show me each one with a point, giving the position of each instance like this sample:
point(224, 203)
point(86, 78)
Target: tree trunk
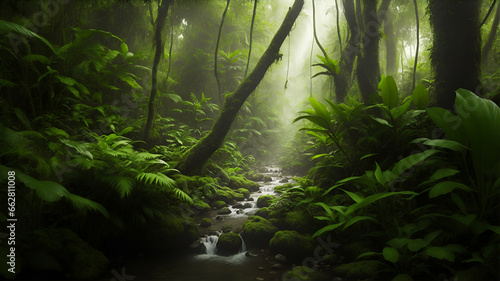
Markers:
point(217, 51)
point(418, 43)
point(491, 35)
point(160, 22)
point(456, 48)
point(251, 35)
point(348, 55)
point(391, 67)
point(368, 69)
point(194, 159)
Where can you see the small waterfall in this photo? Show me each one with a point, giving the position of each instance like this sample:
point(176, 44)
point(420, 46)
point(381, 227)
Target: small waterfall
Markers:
point(243, 245)
point(210, 243)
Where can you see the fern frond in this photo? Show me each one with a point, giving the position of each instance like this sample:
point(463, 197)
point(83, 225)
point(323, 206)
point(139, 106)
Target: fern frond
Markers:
point(84, 204)
point(156, 179)
point(122, 184)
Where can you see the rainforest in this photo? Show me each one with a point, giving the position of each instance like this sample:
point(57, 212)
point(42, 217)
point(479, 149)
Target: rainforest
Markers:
point(268, 140)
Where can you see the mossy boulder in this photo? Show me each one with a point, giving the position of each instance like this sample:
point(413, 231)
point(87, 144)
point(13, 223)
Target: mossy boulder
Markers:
point(205, 222)
point(359, 269)
point(265, 200)
point(224, 211)
point(292, 245)
point(257, 231)
point(305, 273)
point(263, 212)
point(236, 182)
point(171, 234)
point(229, 244)
point(257, 177)
point(238, 196)
point(223, 195)
point(299, 221)
point(219, 204)
point(244, 191)
point(61, 249)
point(201, 206)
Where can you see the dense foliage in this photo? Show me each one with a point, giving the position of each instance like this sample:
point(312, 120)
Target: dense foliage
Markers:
point(409, 190)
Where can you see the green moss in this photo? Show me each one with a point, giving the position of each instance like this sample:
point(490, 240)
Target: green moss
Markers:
point(257, 231)
point(292, 244)
point(229, 244)
point(61, 248)
point(359, 269)
point(299, 273)
point(224, 211)
point(299, 221)
point(222, 195)
point(205, 222)
point(238, 196)
point(201, 206)
point(263, 212)
point(244, 191)
point(265, 200)
point(219, 204)
point(236, 182)
point(173, 233)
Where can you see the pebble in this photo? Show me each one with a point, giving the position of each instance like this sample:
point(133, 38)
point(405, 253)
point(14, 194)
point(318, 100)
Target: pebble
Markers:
point(261, 268)
point(277, 266)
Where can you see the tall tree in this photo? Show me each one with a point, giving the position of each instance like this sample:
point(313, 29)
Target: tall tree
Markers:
point(368, 69)
point(160, 23)
point(251, 36)
point(217, 51)
point(348, 55)
point(418, 44)
point(491, 35)
point(194, 159)
point(456, 48)
point(391, 51)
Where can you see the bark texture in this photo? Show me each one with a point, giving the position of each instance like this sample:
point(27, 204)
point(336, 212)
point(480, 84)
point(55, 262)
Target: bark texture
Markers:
point(456, 48)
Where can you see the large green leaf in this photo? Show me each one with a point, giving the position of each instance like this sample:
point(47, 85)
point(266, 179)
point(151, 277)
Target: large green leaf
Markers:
point(420, 96)
point(7, 26)
point(327, 228)
point(375, 197)
point(446, 187)
point(410, 161)
point(389, 91)
point(391, 254)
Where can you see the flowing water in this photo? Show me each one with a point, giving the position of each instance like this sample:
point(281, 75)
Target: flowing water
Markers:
point(210, 266)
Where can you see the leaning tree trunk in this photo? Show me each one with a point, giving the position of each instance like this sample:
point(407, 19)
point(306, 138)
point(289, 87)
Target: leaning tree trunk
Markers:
point(160, 22)
point(194, 159)
point(491, 35)
point(456, 48)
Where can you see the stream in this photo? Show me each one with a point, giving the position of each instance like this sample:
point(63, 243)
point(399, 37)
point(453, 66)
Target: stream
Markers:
point(210, 266)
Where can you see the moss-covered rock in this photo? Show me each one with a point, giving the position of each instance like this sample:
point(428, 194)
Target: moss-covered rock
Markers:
point(359, 269)
point(224, 211)
point(244, 191)
point(229, 244)
point(236, 182)
point(300, 273)
point(218, 204)
point(205, 222)
point(171, 234)
point(223, 195)
point(265, 200)
point(257, 231)
point(292, 244)
point(201, 206)
point(300, 222)
point(263, 212)
point(238, 196)
point(257, 177)
point(61, 249)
